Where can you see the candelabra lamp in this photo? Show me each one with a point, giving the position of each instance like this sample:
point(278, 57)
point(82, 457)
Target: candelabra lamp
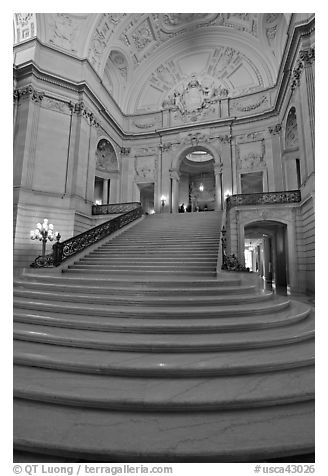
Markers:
point(44, 232)
point(163, 200)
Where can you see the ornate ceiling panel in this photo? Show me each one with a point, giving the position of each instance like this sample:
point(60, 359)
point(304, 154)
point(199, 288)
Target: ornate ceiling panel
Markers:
point(145, 58)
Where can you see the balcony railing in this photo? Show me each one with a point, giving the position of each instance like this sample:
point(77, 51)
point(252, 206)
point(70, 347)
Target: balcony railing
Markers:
point(76, 244)
point(114, 208)
point(265, 198)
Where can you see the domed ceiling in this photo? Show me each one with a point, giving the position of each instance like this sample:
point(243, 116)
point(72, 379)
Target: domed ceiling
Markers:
point(149, 61)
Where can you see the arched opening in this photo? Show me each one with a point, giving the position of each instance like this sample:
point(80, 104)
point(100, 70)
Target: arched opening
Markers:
point(293, 170)
point(105, 186)
point(197, 181)
point(265, 248)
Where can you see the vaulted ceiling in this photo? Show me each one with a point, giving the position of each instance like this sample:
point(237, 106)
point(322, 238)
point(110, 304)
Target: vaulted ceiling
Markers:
point(145, 58)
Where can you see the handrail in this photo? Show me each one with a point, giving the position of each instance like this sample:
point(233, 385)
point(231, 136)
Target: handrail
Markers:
point(113, 208)
point(76, 244)
point(263, 198)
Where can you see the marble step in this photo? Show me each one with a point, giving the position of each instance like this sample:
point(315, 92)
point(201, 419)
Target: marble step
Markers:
point(151, 268)
point(211, 342)
point(227, 436)
point(154, 273)
point(113, 258)
point(142, 394)
point(294, 313)
point(159, 312)
point(132, 290)
point(143, 300)
point(164, 364)
point(185, 253)
point(144, 265)
point(146, 283)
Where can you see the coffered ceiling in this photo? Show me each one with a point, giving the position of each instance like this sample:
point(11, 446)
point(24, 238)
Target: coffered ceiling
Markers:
point(145, 58)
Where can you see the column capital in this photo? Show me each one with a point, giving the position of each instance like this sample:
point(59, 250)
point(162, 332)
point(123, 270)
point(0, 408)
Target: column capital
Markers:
point(275, 129)
point(174, 174)
point(28, 92)
point(307, 56)
point(218, 167)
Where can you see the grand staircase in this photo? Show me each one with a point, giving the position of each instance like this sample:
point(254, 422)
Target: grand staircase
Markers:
point(139, 352)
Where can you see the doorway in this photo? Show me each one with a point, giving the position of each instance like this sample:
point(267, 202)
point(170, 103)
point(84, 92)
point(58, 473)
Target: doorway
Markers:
point(265, 249)
point(147, 197)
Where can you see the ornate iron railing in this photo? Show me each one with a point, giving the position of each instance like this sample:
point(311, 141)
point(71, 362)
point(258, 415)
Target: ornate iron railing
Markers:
point(113, 208)
point(266, 198)
point(76, 244)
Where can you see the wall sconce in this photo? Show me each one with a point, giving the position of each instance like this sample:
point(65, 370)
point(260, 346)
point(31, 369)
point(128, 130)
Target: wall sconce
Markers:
point(163, 200)
point(44, 233)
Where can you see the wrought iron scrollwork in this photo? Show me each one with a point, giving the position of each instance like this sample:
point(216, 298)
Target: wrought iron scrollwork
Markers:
point(266, 198)
point(68, 248)
point(114, 208)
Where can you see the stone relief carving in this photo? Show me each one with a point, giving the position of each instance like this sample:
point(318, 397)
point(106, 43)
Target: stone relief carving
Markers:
point(194, 138)
point(120, 62)
point(145, 169)
point(100, 39)
point(271, 17)
point(64, 30)
point(193, 95)
point(106, 160)
point(25, 26)
point(260, 103)
point(271, 32)
point(143, 35)
point(56, 105)
point(250, 155)
point(291, 129)
point(145, 151)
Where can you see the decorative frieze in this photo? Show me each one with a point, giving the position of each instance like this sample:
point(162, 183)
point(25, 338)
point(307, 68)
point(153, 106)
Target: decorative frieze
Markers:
point(80, 109)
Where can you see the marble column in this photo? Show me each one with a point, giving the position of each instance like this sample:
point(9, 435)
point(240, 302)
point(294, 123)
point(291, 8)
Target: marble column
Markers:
point(175, 176)
point(292, 253)
point(105, 191)
point(218, 186)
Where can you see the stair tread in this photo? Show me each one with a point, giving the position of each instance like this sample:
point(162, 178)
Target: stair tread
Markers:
point(296, 311)
point(225, 436)
point(165, 342)
point(105, 391)
point(163, 364)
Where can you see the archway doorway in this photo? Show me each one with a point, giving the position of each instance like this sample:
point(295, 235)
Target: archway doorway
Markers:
point(197, 181)
point(265, 249)
point(106, 174)
point(147, 197)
